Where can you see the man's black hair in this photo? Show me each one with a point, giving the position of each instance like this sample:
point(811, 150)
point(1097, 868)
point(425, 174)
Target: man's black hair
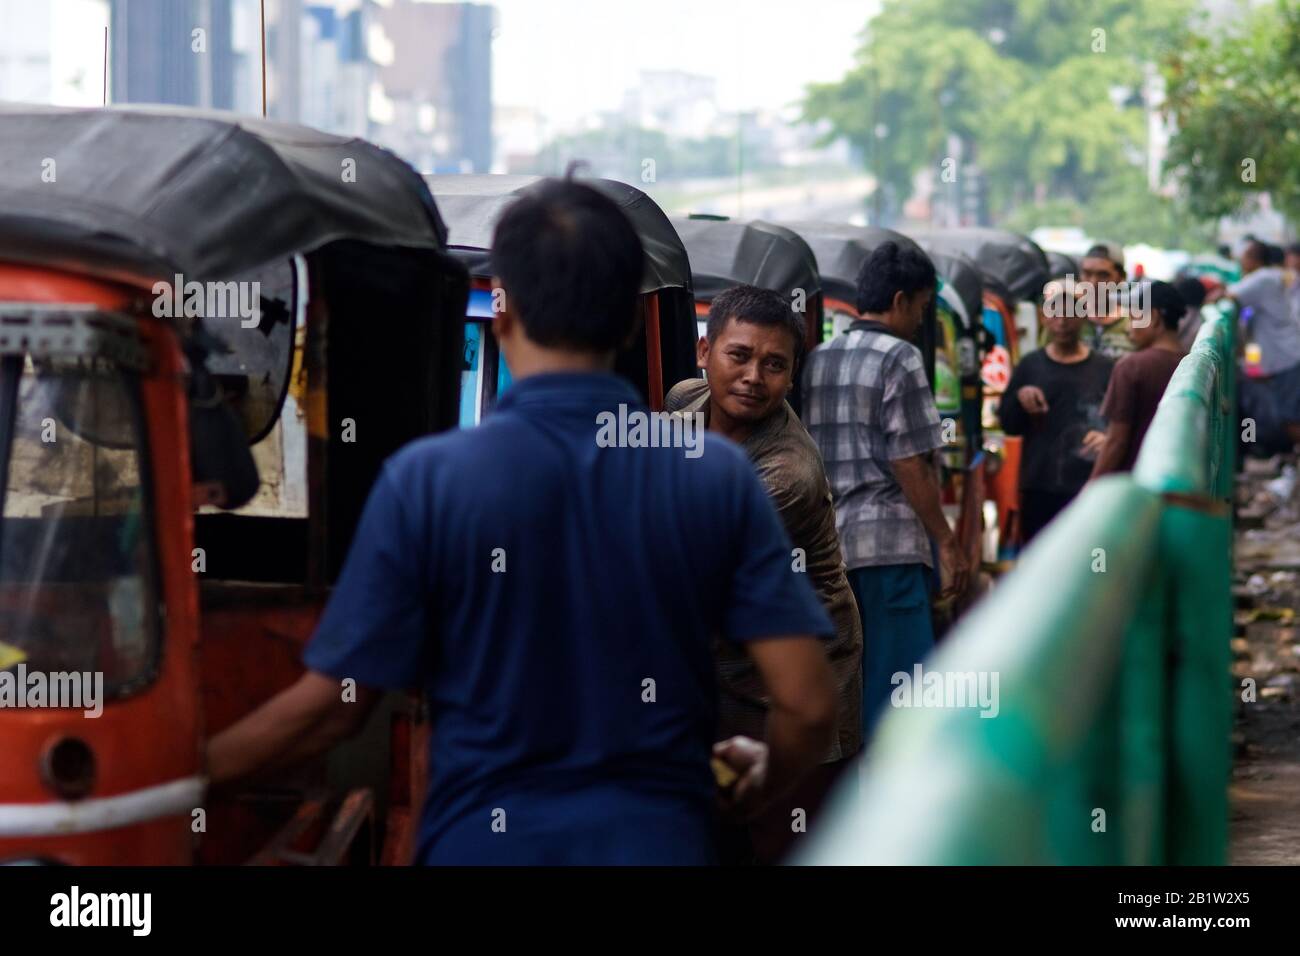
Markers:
point(1266, 253)
point(892, 268)
point(571, 264)
point(1294, 248)
point(1163, 296)
point(747, 303)
point(1191, 289)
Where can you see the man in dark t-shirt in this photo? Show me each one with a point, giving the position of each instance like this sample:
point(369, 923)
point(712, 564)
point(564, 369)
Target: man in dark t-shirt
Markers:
point(1054, 402)
point(1139, 380)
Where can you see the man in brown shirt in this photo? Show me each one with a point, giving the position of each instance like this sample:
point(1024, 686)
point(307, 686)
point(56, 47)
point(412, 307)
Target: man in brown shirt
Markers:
point(1139, 380)
point(750, 354)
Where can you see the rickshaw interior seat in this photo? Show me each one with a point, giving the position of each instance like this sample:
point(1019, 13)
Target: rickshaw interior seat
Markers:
point(81, 549)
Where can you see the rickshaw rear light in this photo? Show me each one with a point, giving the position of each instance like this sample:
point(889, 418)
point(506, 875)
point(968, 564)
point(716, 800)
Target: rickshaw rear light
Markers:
point(68, 768)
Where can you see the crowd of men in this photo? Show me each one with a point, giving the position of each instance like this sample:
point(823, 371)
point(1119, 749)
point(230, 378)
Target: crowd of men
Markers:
point(1083, 402)
point(631, 655)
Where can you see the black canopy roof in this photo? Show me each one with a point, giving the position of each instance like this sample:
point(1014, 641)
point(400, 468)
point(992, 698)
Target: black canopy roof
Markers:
point(960, 272)
point(727, 252)
point(841, 249)
point(1061, 265)
point(472, 204)
point(144, 192)
point(1012, 261)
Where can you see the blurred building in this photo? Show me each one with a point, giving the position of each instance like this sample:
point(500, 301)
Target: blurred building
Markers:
point(174, 51)
point(334, 74)
point(673, 101)
point(53, 51)
point(434, 72)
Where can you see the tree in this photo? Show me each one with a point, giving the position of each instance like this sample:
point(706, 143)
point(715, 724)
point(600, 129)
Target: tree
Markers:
point(1235, 101)
point(1045, 95)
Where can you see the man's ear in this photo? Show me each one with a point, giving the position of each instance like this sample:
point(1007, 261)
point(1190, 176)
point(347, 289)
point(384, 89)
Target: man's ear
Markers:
point(503, 317)
point(702, 352)
point(900, 301)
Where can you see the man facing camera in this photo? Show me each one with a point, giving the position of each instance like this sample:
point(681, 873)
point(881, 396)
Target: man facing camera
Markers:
point(750, 354)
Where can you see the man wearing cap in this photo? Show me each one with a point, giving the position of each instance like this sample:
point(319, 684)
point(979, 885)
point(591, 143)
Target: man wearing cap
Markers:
point(1101, 280)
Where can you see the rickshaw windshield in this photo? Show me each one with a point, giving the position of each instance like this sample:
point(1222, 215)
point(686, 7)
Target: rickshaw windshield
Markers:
point(77, 582)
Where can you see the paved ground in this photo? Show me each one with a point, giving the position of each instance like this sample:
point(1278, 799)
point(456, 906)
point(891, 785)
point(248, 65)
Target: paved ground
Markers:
point(1265, 791)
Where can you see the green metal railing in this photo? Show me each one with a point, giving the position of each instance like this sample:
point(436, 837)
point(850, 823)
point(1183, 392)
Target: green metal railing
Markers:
point(1110, 739)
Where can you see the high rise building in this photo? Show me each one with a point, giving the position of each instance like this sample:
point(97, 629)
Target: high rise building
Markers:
point(434, 76)
point(174, 51)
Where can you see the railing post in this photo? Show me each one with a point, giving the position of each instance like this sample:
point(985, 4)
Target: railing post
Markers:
point(1143, 730)
point(1196, 543)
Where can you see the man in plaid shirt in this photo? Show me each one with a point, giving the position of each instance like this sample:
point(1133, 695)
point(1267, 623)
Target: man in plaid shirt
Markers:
point(869, 408)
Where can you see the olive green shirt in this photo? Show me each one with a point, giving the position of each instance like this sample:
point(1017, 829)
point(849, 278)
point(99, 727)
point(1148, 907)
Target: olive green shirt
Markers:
point(791, 470)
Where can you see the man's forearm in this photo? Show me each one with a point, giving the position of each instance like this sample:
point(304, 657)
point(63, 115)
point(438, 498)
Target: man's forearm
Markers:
point(795, 747)
point(300, 722)
point(921, 489)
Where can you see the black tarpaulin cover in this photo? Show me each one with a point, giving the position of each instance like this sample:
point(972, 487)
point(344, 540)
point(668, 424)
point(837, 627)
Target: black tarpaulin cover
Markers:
point(1008, 258)
point(841, 249)
point(1061, 265)
point(472, 204)
point(144, 192)
point(725, 253)
point(960, 272)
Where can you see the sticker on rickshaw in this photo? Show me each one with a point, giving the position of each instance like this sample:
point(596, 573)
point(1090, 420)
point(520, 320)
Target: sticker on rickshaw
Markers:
point(10, 655)
point(996, 372)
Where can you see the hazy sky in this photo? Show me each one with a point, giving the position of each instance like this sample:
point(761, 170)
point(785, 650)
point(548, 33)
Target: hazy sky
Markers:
point(572, 57)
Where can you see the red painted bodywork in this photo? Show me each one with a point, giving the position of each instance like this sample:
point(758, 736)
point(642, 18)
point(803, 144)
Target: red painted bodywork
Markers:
point(155, 735)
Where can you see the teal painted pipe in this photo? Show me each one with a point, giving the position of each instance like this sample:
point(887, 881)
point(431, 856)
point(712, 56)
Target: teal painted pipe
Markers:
point(946, 785)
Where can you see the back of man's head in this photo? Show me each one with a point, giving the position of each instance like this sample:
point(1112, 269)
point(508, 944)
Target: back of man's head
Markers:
point(1170, 303)
point(1191, 289)
point(889, 269)
point(571, 264)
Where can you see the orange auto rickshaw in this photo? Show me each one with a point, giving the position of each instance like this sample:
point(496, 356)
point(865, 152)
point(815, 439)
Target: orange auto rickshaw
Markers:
point(213, 330)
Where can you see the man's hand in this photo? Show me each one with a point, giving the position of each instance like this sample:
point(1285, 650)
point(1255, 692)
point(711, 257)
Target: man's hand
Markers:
point(1093, 442)
point(748, 758)
point(954, 569)
point(1032, 400)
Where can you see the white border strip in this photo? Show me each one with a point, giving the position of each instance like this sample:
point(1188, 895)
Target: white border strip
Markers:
point(102, 813)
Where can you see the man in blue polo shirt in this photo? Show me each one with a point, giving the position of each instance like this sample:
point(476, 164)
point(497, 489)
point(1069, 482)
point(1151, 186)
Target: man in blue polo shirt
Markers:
point(552, 585)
